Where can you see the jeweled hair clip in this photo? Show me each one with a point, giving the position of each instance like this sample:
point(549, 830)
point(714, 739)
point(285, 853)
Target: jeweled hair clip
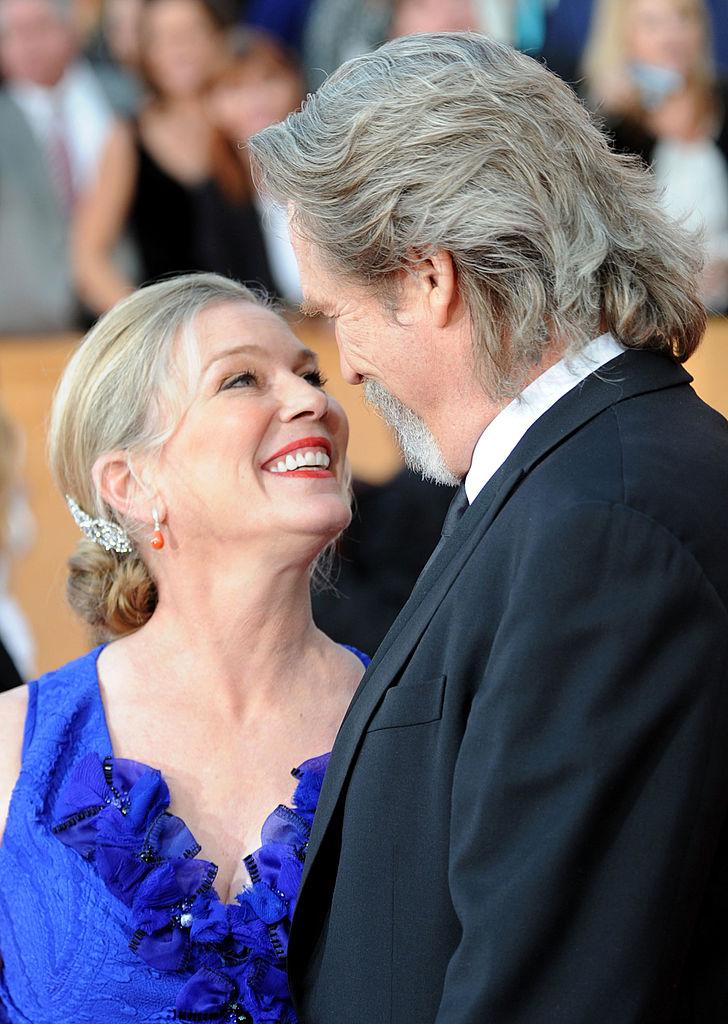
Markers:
point(109, 535)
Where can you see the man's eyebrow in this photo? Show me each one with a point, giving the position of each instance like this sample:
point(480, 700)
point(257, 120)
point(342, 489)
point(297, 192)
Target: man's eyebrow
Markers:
point(313, 307)
point(304, 355)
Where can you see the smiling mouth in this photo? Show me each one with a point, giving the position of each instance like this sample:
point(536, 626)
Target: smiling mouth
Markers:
point(309, 457)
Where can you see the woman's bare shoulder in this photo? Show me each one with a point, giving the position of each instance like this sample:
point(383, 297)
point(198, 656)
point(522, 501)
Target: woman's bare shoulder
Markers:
point(13, 709)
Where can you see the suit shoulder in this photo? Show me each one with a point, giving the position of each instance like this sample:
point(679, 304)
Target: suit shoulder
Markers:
point(644, 451)
point(663, 455)
point(675, 463)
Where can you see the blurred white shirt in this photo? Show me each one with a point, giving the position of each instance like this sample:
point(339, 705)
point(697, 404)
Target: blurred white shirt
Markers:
point(79, 103)
point(694, 179)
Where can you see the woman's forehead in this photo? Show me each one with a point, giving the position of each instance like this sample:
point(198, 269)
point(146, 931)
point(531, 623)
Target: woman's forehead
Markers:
point(241, 325)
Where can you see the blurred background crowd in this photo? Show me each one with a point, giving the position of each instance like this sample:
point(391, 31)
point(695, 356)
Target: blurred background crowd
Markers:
point(122, 159)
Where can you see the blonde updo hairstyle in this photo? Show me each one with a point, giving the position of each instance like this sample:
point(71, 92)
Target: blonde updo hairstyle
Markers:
point(123, 390)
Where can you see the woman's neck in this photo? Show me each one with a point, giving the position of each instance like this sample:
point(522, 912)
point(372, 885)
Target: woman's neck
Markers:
point(235, 626)
point(184, 107)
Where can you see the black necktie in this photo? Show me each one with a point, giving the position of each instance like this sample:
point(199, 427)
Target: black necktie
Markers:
point(458, 507)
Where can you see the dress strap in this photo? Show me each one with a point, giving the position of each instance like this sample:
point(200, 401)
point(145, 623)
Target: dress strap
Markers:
point(363, 658)
point(65, 719)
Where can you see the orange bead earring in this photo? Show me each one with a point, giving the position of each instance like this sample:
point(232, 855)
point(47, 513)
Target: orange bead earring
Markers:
point(157, 540)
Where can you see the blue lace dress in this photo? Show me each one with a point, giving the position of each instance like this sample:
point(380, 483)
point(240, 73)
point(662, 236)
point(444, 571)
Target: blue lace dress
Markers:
point(108, 913)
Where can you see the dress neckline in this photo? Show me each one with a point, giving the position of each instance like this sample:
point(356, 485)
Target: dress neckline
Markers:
point(108, 754)
point(114, 813)
point(229, 958)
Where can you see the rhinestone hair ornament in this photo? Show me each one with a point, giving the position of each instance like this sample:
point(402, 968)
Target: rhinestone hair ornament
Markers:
point(109, 535)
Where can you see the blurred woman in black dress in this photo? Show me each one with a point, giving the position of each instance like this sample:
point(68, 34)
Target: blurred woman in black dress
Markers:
point(159, 172)
point(263, 84)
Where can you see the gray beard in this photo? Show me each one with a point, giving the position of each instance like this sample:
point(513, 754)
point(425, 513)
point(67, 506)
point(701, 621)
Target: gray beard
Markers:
point(420, 449)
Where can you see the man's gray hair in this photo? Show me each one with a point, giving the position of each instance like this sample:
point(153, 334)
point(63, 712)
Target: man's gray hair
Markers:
point(452, 141)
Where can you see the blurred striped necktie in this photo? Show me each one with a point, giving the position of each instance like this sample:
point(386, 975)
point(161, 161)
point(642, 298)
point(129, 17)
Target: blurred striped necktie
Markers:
point(59, 160)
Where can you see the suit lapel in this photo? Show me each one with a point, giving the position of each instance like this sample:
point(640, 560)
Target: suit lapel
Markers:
point(626, 376)
point(26, 156)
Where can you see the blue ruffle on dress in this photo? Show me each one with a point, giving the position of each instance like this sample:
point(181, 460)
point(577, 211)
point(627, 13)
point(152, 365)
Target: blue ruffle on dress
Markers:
point(108, 911)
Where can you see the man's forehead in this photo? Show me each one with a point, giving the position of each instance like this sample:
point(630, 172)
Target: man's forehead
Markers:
point(302, 246)
point(313, 275)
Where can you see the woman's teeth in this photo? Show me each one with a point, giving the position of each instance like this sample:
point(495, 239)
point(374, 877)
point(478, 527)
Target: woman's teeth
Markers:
point(301, 460)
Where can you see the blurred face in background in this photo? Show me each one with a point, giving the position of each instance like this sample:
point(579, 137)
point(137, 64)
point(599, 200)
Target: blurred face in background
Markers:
point(666, 33)
point(37, 41)
point(122, 20)
point(259, 89)
point(182, 47)
point(411, 16)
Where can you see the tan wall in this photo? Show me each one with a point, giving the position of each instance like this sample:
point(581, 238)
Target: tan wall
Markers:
point(29, 369)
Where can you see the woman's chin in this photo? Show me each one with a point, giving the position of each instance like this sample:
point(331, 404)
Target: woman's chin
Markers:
point(321, 515)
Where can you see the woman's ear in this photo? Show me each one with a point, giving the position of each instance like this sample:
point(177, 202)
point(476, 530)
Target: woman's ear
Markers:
point(118, 485)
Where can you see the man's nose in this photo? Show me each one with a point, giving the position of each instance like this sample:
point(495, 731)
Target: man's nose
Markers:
point(349, 375)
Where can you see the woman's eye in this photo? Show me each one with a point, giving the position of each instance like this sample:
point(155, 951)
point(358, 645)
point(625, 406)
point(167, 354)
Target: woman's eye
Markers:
point(316, 378)
point(240, 380)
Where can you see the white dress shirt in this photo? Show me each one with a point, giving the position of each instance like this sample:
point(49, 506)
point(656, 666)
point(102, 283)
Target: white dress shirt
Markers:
point(78, 100)
point(503, 433)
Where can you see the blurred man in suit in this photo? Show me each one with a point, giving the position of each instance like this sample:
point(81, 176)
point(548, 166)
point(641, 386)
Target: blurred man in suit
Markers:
point(525, 815)
point(53, 122)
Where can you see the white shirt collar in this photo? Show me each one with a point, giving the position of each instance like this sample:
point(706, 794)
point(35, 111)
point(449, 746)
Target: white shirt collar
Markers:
point(503, 433)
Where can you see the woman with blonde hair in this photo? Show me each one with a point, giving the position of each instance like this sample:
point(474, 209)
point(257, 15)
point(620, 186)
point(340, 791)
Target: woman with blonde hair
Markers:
point(206, 467)
point(649, 70)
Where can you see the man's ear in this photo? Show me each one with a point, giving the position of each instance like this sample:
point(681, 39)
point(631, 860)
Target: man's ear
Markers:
point(119, 486)
point(434, 282)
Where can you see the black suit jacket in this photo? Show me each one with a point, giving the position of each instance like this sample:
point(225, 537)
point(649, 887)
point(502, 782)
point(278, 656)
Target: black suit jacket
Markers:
point(524, 817)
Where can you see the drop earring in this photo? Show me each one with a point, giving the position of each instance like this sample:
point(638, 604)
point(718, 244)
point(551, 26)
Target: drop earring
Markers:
point(157, 540)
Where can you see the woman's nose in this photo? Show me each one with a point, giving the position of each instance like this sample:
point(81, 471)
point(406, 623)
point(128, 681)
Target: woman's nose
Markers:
point(304, 400)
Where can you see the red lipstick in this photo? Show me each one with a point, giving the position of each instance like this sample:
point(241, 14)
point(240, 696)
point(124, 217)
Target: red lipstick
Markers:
point(304, 442)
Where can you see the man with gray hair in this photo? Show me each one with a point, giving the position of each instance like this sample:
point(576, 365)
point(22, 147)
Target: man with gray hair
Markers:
point(525, 815)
